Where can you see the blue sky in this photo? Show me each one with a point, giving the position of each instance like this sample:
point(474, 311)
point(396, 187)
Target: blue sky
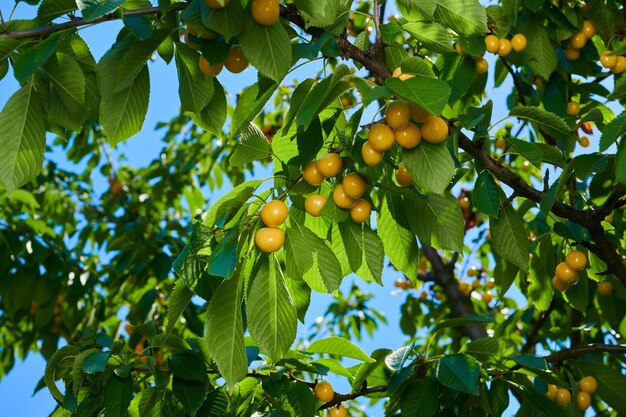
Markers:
point(17, 387)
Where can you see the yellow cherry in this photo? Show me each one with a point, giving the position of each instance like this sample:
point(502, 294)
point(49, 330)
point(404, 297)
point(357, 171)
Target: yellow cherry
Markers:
point(435, 130)
point(397, 115)
point(402, 176)
point(573, 108)
point(482, 66)
point(519, 42)
point(311, 175)
point(353, 185)
point(605, 288)
point(371, 157)
point(329, 165)
point(324, 392)
point(578, 41)
point(571, 54)
point(381, 137)
point(576, 260)
point(418, 114)
point(341, 199)
point(314, 204)
point(492, 43)
point(589, 29)
point(565, 273)
point(408, 137)
point(269, 239)
point(505, 47)
point(361, 211)
point(274, 213)
point(620, 65)
point(608, 60)
point(588, 384)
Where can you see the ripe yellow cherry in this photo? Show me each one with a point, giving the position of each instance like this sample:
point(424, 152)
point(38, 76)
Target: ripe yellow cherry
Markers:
point(578, 41)
point(482, 66)
point(492, 43)
point(571, 54)
point(329, 165)
point(472, 271)
point(370, 156)
point(519, 42)
point(274, 213)
point(236, 60)
point(265, 12)
point(563, 396)
point(551, 391)
point(214, 4)
point(490, 283)
point(605, 288)
point(397, 115)
point(588, 384)
point(408, 137)
point(559, 285)
point(361, 211)
point(487, 297)
point(583, 400)
point(324, 392)
point(353, 185)
point(402, 176)
point(583, 141)
point(269, 239)
point(338, 411)
point(500, 143)
point(208, 69)
point(435, 130)
point(608, 60)
point(620, 65)
point(565, 273)
point(380, 137)
point(576, 260)
point(476, 284)
point(589, 29)
point(311, 175)
point(341, 199)
point(423, 296)
point(418, 114)
point(464, 203)
point(505, 47)
point(314, 204)
point(573, 108)
point(465, 288)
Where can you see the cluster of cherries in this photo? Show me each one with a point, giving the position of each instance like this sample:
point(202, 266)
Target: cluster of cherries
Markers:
point(467, 289)
point(325, 393)
point(586, 386)
point(346, 195)
point(264, 12)
point(579, 40)
point(566, 273)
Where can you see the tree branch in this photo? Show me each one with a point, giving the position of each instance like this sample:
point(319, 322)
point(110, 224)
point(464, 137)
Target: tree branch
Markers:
point(365, 390)
point(44, 31)
point(518, 87)
point(379, 37)
point(577, 351)
point(531, 340)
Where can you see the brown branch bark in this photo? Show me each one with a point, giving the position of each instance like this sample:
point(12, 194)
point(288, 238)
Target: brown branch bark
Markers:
point(518, 87)
point(42, 32)
point(577, 351)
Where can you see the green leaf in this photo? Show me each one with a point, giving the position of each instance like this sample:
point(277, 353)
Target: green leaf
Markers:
point(22, 138)
point(221, 211)
point(498, 396)
point(459, 372)
point(620, 163)
point(612, 131)
point(62, 358)
point(272, 315)
point(420, 398)
point(139, 25)
point(51, 9)
point(430, 166)
point(224, 333)
point(31, 59)
point(268, 48)
point(253, 146)
point(302, 400)
point(466, 17)
point(191, 394)
point(228, 21)
point(556, 189)
point(542, 269)
point(213, 116)
point(93, 9)
point(118, 392)
point(433, 36)
point(530, 361)
point(395, 359)
point(509, 238)
point(178, 301)
point(320, 96)
point(67, 98)
point(549, 122)
point(215, 405)
point(462, 321)
point(610, 383)
point(195, 88)
point(364, 249)
point(95, 362)
point(530, 151)
point(78, 375)
point(251, 100)
point(223, 260)
point(486, 197)
point(121, 112)
point(146, 403)
point(305, 250)
point(416, 9)
point(318, 13)
point(187, 366)
point(437, 221)
point(339, 346)
point(395, 232)
point(431, 95)
point(539, 54)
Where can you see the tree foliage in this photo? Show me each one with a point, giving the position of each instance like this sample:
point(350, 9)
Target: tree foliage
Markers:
point(147, 300)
